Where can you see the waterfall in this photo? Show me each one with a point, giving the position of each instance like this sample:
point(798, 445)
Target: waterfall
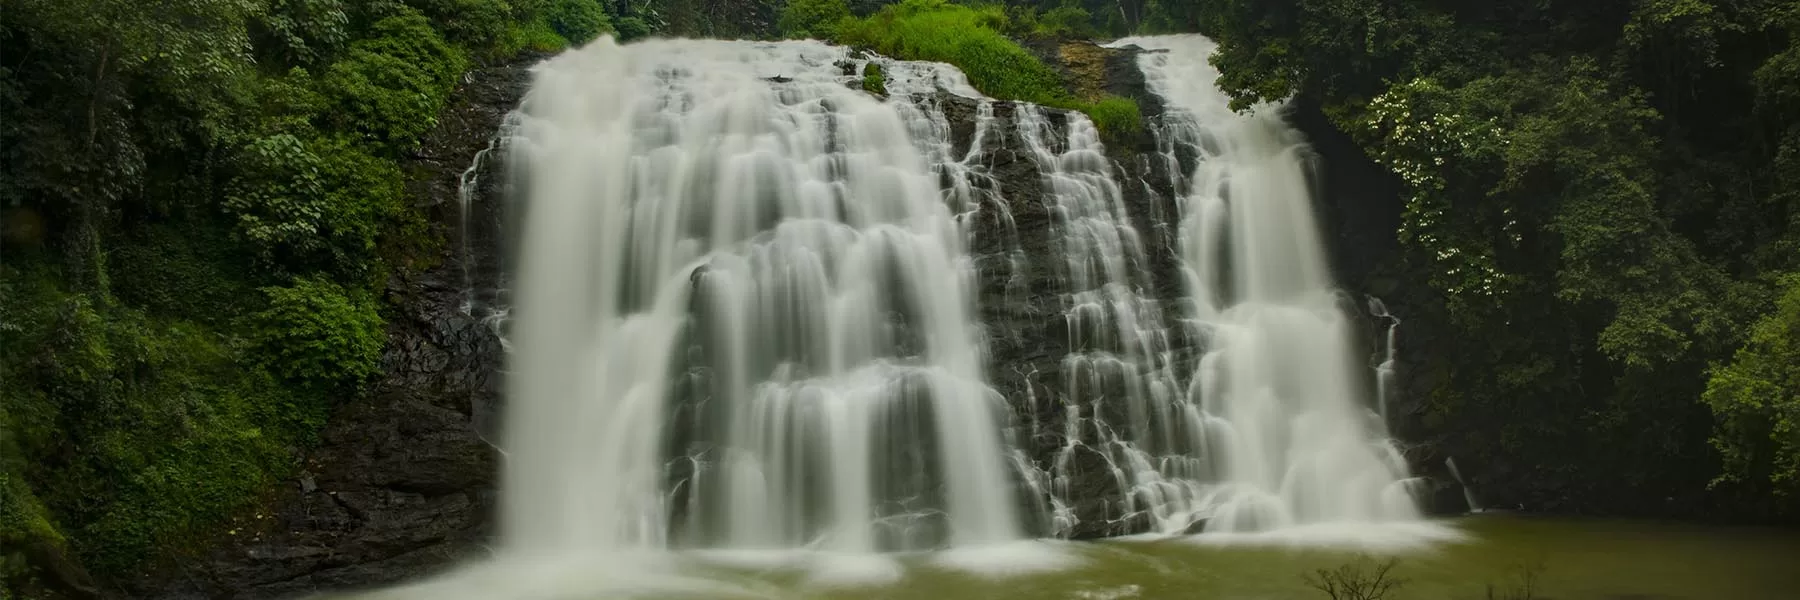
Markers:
point(1272, 426)
point(744, 315)
point(1119, 381)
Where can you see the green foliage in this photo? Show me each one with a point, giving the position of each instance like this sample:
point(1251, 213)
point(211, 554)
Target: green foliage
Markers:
point(1115, 116)
point(1067, 21)
point(631, 28)
point(389, 86)
point(535, 36)
point(191, 270)
point(156, 168)
point(313, 208)
point(302, 32)
point(578, 21)
point(970, 38)
point(812, 18)
point(136, 431)
point(962, 36)
point(24, 523)
point(1756, 398)
point(1591, 189)
point(279, 197)
point(318, 333)
point(476, 25)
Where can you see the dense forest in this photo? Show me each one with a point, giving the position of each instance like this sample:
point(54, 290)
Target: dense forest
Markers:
point(202, 206)
point(1604, 198)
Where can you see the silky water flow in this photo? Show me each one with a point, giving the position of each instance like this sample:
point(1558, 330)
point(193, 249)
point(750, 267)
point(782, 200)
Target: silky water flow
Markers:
point(1269, 426)
point(744, 316)
point(742, 327)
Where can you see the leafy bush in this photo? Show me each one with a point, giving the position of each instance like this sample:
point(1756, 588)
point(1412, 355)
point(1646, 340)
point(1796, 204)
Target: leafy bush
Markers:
point(300, 32)
point(478, 25)
point(578, 21)
point(634, 27)
point(1756, 399)
point(318, 333)
point(536, 36)
point(364, 196)
point(314, 207)
point(389, 87)
point(812, 18)
point(1066, 22)
point(278, 196)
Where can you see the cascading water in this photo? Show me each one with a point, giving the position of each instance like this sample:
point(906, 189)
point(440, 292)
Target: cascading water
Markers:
point(1271, 426)
point(1119, 382)
point(743, 315)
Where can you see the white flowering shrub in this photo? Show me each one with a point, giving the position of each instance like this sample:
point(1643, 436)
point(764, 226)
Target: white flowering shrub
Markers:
point(1418, 140)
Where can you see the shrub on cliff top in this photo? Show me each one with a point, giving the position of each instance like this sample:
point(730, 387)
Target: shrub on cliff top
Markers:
point(962, 36)
point(971, 39)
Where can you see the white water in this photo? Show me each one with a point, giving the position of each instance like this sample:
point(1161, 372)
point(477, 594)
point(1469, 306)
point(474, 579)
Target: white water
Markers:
point(1120, 388)
point(744, 327)
point(1274, 427)
point(744, 316)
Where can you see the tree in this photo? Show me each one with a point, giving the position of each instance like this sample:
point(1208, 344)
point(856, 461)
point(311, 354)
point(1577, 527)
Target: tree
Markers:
point(812, 18)
point(1757, 399)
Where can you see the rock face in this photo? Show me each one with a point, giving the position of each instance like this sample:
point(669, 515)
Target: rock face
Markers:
point(402, 483)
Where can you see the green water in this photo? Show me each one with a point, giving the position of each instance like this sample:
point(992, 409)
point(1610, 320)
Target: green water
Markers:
point(1571, 559)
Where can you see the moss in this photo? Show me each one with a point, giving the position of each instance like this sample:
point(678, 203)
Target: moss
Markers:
point(873, 80)
point(1086, 64)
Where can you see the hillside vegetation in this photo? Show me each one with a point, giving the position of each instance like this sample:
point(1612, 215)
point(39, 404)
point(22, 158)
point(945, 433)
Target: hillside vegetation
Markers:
point(202, 203)
point(1604, 200)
